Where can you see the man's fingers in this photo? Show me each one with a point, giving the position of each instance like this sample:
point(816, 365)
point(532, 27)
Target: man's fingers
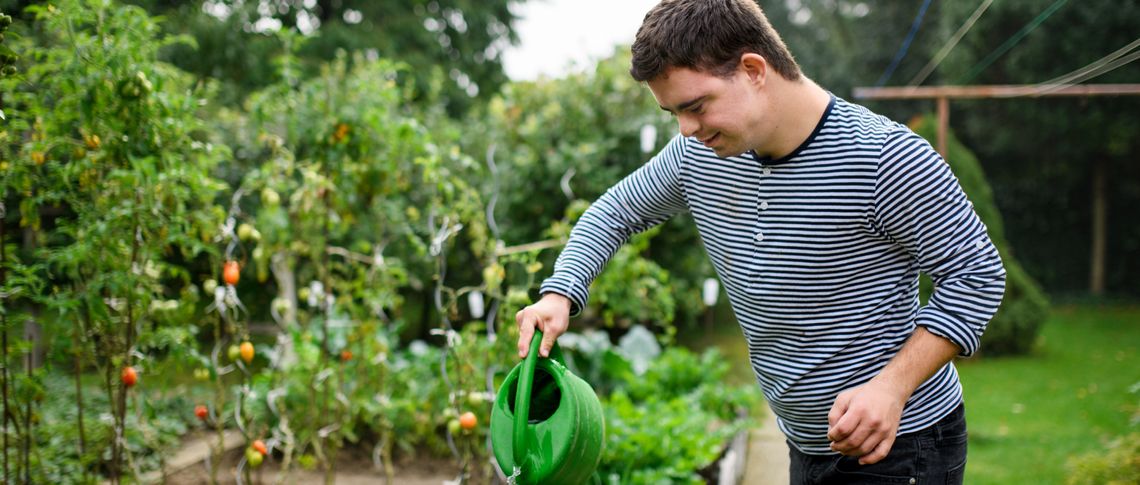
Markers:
point(547, 343)
point(843, 427)
point(837, 409)
point(879, 452)
point(858, 443)
point(526, 331)
point(835, 416)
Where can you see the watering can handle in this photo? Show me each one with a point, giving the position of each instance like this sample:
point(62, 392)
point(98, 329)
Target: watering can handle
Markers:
point(522, 399)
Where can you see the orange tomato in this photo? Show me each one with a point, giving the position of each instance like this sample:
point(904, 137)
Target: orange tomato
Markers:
point(201, 412)
point(468, 421)
point(345, 355)
point(129, 376)
point(92, 141)
point(260, 447)
point(246, 351)
point(231, 272)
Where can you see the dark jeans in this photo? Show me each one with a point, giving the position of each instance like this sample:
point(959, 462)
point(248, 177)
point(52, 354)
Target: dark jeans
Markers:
point(935, 455)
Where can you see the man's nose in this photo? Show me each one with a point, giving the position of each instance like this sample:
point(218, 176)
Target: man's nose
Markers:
point(688, 125)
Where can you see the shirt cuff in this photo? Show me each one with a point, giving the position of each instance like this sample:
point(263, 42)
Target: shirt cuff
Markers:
point(570, 287)
point(952, 328)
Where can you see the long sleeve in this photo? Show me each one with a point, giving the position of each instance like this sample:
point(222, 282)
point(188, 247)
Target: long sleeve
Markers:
point(645, 198)
point(920, 205)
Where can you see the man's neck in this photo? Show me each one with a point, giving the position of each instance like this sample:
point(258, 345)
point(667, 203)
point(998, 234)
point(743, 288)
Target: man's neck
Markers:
point(801, 104)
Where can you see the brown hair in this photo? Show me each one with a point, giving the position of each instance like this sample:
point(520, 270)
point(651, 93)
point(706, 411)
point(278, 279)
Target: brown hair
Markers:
point(706, 35)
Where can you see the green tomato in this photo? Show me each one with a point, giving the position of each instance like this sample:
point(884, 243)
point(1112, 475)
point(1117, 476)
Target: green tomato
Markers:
point(453, 427)
point(234, 352)
point(202, 374)
point(269, 197)
point(253, 457)
point(245, 231)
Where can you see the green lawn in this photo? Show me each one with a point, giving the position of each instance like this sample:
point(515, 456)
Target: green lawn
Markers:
point(1028, 415)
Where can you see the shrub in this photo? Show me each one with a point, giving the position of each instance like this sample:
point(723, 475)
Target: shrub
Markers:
point(1024, 307)
point(1119, 464)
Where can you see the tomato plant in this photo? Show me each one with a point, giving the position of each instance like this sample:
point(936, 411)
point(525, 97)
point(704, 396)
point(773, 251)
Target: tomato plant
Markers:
point(107, 134)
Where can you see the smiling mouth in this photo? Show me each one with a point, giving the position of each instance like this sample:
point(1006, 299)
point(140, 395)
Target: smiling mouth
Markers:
point(708, 141)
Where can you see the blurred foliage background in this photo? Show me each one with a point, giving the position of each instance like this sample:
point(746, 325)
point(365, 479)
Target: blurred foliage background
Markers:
point(1038, 154)
point(386, 134)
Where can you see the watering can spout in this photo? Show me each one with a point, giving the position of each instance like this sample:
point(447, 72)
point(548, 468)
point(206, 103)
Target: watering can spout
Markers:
point(547, 424)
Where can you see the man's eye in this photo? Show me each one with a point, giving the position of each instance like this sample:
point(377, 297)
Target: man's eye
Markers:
point(698, 109)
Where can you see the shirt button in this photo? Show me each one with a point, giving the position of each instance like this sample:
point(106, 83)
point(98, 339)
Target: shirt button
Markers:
point(759, 236)
point(764, 206)
point(980, 244)
point(767, 171)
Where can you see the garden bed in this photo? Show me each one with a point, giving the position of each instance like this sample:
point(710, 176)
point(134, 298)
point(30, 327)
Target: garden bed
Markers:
point(188, 466)
point(352, 469)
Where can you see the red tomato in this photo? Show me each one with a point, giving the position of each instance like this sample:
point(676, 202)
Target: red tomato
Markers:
point(468, 420)
point(129, 376)
point(231, 273)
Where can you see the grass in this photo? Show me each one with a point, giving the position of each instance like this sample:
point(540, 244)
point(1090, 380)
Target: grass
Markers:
point(1027, 415)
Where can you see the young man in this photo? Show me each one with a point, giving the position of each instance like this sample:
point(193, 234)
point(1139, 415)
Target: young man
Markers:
point(818, 216)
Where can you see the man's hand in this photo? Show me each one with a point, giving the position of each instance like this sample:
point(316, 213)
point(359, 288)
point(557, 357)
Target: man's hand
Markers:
point(551, 314)
point(864, 420)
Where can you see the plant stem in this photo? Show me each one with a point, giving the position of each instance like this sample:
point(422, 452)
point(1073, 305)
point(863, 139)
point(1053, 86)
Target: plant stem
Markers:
point(4, 345)
point(219, 404)
point(28, 422)
point(330, 469)
point(78, 384)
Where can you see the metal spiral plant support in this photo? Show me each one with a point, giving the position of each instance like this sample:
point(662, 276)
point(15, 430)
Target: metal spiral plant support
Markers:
point(492, 315)
point(439, 239)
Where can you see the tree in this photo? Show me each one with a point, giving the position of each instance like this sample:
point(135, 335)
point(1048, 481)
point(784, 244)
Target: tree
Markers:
point(1063, 143)
point(454, 47)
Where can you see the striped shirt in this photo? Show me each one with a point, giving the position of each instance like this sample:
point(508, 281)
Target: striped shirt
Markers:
point(819, 253)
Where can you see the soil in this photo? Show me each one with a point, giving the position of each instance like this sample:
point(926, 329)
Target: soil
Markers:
point(351, 469)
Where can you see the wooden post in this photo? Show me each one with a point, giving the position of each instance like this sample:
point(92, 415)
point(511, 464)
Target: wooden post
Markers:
point(1099, 228)
point(943, 127)
point(1099, 250)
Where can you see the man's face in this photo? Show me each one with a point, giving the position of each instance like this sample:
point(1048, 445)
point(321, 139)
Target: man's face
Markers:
point(718, 111)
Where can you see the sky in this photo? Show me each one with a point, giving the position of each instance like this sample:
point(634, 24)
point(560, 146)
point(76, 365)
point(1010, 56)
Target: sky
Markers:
point(558, 35)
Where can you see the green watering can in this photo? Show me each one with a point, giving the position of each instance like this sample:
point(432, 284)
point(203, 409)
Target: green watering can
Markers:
point(547, 425)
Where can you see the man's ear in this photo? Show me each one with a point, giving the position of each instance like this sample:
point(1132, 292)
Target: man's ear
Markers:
point(755, 67)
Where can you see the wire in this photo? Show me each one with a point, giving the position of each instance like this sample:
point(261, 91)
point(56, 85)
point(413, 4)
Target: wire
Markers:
point(1012, 41)
point(914, 26)
point(1097, 72)
point(950, 44)
point(1089, 71)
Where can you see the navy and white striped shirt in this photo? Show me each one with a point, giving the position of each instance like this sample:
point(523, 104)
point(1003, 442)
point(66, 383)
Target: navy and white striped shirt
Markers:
point(819, 253)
